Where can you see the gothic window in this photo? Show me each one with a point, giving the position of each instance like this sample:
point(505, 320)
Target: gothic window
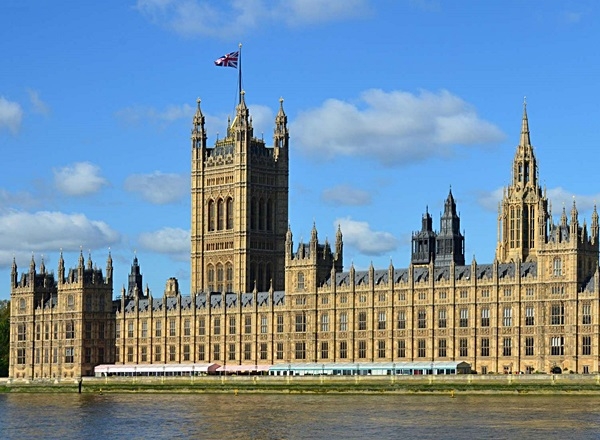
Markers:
point(557, 267)
point(229, 213)
point(70, 302)
point(463, 347)
point(401, 348)
point(70, 330)
point(442, 318)
point(526, 172)
point(587, 313)
point(261, 214)
point(229, 277)
point(507, 347)
point(22, 304)
point(362, 349)
point(381, 321)
point(253, 214)
point(324, 350)
point(324, 322)
point(529, 315)
point(211, 215)
point(507, 321)
point(264, 324)
point(557, 314)
point(202, 326)
point(210, 275)
point(280, 323)
point(422, 319)
point(21, 332)
point(279, 353)
point(300, 279)
point(270, 215)
point(528, 346)
point(343, 350)
point(485, 317)
point(586, 345)
point(485, 346)
point(518, 227)
point(300, 322)
point(401, 320)
point(557, 345)
point(422, 348)
point(520, 172)
point(220, 214)
point(219, 277)
point(526, 226)
point(442, 348)
point(343, 322)
point(464, 318)
point(362, 321)
point(532, 227)
point(217, 326)
point(512, 227)
point(300, 350)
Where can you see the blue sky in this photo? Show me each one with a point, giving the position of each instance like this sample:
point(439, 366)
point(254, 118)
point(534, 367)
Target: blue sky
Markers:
point(390, 103)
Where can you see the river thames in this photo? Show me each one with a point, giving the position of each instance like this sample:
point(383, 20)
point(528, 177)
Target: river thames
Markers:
point(257, 416)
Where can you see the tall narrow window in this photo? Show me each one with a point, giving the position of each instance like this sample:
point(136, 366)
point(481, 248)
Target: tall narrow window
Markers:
point(362, 321)
point(485, 317)
point(210, 276)
point(442, 316)
point(529, 315)
point(442, 352)
point(557, 267)
point(253, 214)
point(401, 320)
point(229, 213)
point(586, 313)
point(229, 277)
point(343, 322)
point(270, 221)
point(324, 322)
point(381, 321)
point(507, 321)
point(464, 318)
point(401, 348)
point(422, 319)
point(220, 277)
point(261, 214)
point(220, 214)
point(300, 279)
point(211, 215)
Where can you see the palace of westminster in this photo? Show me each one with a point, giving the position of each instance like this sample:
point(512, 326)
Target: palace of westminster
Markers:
point(257, 299)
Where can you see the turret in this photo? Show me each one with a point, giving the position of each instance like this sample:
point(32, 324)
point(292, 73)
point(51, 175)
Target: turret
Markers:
point(594, 227)
point(109, 269)
point(198, 130)
point(281, 134)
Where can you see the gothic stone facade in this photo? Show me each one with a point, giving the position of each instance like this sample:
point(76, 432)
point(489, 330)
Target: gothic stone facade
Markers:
point(258, 299)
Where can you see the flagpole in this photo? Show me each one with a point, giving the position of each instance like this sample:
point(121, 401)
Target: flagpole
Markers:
point(240, 74)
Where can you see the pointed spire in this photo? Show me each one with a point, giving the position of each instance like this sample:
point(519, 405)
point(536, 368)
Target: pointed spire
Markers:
point(574, 213)
point(313, 233)
point(32, 264)
point(563, 217)
point(89, 261)
point(81, 261)
point(525, 141)
point(42, 266)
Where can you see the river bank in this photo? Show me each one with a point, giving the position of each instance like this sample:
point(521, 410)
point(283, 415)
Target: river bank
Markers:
point(452, 385)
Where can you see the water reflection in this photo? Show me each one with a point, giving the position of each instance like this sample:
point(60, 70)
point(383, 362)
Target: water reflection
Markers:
point(158, 416)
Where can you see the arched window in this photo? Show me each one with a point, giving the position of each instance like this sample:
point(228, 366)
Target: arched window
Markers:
point(512, 227)
point(70, 302)
point(270, 215)
point(22, 304)
point(220, 214)
point(557, 267)
point(211, 215)
point(300, 280)
point(210, 276)
point(229, 276)
point(229, 213)
point(219, 277)
point(261, 214)
point(253, 214)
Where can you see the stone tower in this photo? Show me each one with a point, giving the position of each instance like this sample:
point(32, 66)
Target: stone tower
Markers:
point(239, 206)
point(450, 243)
point(523, 211)
point(423, 242)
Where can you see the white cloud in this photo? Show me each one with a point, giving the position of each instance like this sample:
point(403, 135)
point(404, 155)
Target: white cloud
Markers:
point(159, 188)
point(11, 115)
point(346, 195)
point(360, 236)
point(137, 115)
point(171, 241)
point(47, 232)
point(392, 127)
point(79, 179)
point(204, 18)
point(38, 105)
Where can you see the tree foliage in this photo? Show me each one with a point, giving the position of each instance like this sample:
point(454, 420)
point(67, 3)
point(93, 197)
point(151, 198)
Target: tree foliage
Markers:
point(4, 336)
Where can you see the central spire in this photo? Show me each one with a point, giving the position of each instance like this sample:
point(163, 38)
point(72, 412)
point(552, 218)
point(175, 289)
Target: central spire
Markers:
point(525, 141)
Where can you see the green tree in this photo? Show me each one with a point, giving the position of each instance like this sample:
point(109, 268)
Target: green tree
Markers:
point(4, 336)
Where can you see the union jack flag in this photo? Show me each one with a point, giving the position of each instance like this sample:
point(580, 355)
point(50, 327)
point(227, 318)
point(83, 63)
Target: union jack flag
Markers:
point(229, 60)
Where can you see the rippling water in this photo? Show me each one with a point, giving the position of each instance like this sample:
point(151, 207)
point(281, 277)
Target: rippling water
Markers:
point(158, 416)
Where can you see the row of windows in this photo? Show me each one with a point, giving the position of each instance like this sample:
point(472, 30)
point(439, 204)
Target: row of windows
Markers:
point(89, 302)
point(220, 277)
point(262, 214)
point(557, 317)
point(53, 356)
point(220, 214)
point(69, 331)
